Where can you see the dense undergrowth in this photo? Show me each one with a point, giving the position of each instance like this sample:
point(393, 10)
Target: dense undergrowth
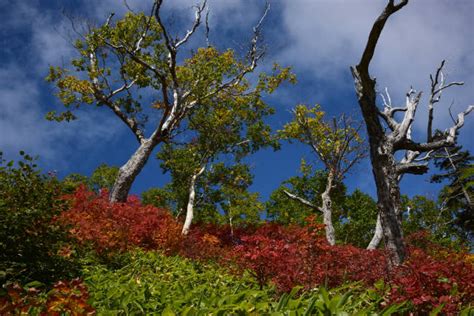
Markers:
point(78, 254)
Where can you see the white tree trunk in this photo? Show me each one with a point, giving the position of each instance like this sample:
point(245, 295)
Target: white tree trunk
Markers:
point(129, 171)
point(326, 209)
point(191, 199)
point(378, 235)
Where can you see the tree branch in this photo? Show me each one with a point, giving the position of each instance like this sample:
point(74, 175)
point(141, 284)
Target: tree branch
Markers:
point(411, 167)
point(448, 140)
point(253, 55)
point(197, 22)
point(300, 199)
point(437, 86)
point(374, 35)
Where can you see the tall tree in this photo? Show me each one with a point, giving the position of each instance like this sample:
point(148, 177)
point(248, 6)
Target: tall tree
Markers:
point(229, 128)
point(134, 68)
point(387, 136)
point(336, 144)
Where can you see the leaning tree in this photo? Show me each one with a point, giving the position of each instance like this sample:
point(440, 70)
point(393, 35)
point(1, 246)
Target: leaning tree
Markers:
point(388, 136)
point(138, 70)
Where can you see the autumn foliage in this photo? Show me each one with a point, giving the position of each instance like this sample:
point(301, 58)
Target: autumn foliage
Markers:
point(286, 256)
point(119, 226)
point(64, 298)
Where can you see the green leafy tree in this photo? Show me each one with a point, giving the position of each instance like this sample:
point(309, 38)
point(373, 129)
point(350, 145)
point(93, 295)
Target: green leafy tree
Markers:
point(458, 194)
point(308, 186)
point(337, 144)
point(134, 67)
point(424, 214)
point(103, 177)
point(357, 221)
point(225, 130)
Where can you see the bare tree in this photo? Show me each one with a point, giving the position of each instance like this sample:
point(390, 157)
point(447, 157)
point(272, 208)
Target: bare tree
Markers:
point(387, 136)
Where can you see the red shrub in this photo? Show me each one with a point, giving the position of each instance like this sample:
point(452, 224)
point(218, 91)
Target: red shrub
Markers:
point(117, 226)
point(293, 255)
point(427, 282)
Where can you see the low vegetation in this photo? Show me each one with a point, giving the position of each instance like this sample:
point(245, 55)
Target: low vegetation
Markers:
point(129, 259)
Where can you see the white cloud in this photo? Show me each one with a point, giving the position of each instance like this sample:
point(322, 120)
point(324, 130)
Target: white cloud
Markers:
point(23, 126)
point(326, 37)
point(24, 104)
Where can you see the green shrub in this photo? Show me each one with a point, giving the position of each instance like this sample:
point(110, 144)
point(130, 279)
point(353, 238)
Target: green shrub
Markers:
point(149, 283)
point(32, 245)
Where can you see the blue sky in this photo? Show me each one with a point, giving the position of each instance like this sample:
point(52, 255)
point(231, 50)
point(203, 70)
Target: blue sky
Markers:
point(320, 39)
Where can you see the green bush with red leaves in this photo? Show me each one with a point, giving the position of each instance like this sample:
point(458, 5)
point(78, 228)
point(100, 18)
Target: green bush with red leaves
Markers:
point(286, 256)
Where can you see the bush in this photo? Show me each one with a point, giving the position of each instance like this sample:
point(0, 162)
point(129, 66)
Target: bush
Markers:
point(32, 244)
point(110, 227)
point(150, 283)
point(285, 256)
point(428, 282)
point(65, 298)
point(292, 256)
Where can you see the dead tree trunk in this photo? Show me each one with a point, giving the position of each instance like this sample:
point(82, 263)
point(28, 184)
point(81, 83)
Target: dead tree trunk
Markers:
point(387, 136)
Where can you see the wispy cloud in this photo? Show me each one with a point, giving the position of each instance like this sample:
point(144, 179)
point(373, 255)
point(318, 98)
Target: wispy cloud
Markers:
point(24, 96)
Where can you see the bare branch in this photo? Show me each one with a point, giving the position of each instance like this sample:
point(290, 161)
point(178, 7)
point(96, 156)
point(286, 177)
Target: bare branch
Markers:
point(300, 199)
point(197, 22)
point(448, 140)
point(207, 28)
point(427, 156)
point(125, 3)
point(412, 101)
point(122, 88)
point(109, 19)
point(374, 35)
point(411, 167)
point(387, 115)
point(437, 87)
point(103, 99)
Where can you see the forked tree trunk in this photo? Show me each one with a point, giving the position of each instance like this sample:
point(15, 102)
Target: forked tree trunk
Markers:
point(129, 171)
point(326, 209)
point(191, 199)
